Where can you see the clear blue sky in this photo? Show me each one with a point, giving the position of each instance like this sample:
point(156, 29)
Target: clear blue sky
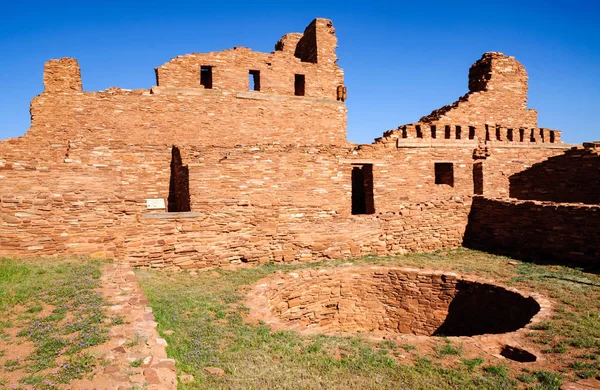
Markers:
point(401, 59)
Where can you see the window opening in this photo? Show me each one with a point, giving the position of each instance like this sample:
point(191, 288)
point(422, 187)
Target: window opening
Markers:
point(433, 132)
point(478, 178)
point(551, 137)
point(444, 174)
point(509, 134)
point(254, 80)
point(521, 135)
point(458, 132)
point(299, 85)
point(487, 133)
point(447, 132)
point(362, 190)
point(532, 136)
point(179, 184)
point(471, 132)
point(419, 131)
point(206, 78)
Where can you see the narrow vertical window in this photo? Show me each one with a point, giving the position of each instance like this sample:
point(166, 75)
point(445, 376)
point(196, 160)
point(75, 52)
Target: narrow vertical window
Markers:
point(419, 131)
point(551, 137)
point(299, 85)
point(447, 132)
point(471, 132)
point(254, 80)
point(478, 178)
point(458, 132)
point(362, 190)
point(206, 78)
point(433, 132)
point(179, 185)
point(444, 174)
point(509, 134)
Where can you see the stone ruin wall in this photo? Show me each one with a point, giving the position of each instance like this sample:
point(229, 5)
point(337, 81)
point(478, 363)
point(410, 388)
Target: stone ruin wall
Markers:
point(270, 173)
point(497, 95)
point(572, 177)
point(560, 233)
point(180, 110)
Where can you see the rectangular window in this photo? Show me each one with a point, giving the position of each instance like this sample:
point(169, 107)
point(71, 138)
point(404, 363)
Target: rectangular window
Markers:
point(444, 174)
point(433, 132)
point(362, 190)
point(254, 80)
point(419, 131)
point(447, 132)
point(206, 76)
point(299, 85)
point(458, 132)
point(509, 134)
point(471, 132)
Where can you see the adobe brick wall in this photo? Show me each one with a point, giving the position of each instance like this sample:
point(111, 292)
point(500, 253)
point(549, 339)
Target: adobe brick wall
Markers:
point(553, 232)
point(571, 177)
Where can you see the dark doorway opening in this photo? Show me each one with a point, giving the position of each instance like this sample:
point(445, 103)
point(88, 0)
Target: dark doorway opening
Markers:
point(299, 85)
point(206, 78)
point(254, 80)
point(179, 185)
point(362, 190)
point(478, 178)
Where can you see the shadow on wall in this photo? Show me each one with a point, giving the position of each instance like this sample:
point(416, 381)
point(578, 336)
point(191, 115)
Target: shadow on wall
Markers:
point(482, 309)
point(542, 232)
point(573, 177)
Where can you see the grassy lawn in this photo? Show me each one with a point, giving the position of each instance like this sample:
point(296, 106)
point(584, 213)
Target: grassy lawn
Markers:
point(50, 316)
point(205, 312)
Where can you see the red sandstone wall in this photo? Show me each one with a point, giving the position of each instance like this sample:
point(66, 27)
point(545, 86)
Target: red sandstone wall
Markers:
point(571, 177)
point(257, 203)
point(179, 110)
point(314, 57)
point(557, 233)
point(497, 95)
point(206, 118)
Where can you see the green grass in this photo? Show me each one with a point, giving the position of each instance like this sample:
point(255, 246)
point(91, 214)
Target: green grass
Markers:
point(72, 322)
point(206, 313)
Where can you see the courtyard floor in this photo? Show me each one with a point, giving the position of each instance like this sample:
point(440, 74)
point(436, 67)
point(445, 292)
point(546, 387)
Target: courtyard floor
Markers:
point(73, 323)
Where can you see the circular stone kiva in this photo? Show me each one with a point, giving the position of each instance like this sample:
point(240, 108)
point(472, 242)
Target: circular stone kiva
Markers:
point(391, 300)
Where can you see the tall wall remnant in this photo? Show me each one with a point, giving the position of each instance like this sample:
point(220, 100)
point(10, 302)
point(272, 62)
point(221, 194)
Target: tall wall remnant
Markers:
point(62, 75)
point(262, 170)
point(497, 96)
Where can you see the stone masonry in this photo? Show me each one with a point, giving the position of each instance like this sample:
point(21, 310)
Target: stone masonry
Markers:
point(247, 153)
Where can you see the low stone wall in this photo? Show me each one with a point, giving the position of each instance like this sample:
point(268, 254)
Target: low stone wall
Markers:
point(82, 224)
point(391, 300)
point(561, 233)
